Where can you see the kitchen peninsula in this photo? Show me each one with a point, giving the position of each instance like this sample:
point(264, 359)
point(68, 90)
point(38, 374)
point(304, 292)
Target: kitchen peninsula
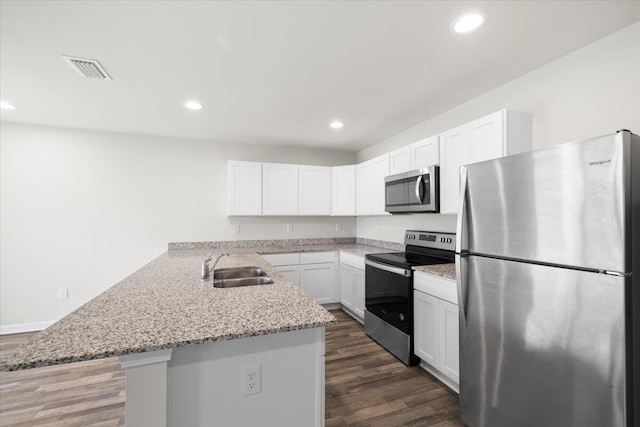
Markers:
point(185, 347)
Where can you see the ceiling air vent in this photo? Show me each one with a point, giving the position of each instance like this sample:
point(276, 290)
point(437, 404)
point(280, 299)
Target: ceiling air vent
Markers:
point(89, 68)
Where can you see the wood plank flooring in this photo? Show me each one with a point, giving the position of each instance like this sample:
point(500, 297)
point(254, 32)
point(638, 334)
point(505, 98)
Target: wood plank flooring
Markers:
point(365, 386)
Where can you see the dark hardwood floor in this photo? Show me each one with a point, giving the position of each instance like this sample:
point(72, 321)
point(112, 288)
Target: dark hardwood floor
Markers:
point(365, 386)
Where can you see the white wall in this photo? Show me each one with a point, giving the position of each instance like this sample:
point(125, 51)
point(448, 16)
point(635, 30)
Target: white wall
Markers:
point(590, 92)
point(84, 209)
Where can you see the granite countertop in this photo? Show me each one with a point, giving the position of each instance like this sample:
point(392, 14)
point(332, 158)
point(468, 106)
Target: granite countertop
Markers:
point(448, 271)
point(163, 305)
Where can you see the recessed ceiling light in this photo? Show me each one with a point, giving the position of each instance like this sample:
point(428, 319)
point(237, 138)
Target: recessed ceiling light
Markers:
point(468, 22)
point(336, 124)
point(193, 105)
point(6, 106)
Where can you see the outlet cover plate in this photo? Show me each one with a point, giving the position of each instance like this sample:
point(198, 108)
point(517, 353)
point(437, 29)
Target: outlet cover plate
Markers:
point(251, 380)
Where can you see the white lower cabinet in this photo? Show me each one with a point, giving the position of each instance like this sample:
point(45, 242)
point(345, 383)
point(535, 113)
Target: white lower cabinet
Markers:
point(347, 286)
point(449, 340)
point(426, 341)
point(317, 282)
point(352, 290)
point(435, 330)
point(358, 308)
point(314, 272)
point(291, 271)
point(352, 284)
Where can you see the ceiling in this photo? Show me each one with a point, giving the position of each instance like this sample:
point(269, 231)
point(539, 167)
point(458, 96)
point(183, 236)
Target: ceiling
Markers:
point(277, 72)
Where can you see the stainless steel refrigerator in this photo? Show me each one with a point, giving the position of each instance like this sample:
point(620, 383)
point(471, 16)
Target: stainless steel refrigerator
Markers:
point(548, 271)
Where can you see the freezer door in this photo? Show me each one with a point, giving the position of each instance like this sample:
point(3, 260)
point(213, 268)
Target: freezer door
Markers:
point(564, 205)
point(540, 346)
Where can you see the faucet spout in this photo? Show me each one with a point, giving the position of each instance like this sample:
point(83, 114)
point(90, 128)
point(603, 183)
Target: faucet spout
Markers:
point(206, 270)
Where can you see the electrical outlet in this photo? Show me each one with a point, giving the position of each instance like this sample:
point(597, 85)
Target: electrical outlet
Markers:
point(63, 293)
point(289, 228)
point(338, 227)
point(235, 229)
point(251, 380)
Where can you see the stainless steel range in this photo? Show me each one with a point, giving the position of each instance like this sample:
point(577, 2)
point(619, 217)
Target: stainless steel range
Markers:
point(388, 317)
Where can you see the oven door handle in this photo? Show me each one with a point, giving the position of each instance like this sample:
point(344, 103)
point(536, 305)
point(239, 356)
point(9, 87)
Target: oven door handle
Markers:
point(389, 268)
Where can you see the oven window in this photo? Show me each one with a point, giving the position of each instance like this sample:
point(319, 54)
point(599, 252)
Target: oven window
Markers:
point(388, 296)
point(403, 192)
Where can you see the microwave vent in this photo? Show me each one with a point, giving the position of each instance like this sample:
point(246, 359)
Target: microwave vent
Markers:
point(88, 68)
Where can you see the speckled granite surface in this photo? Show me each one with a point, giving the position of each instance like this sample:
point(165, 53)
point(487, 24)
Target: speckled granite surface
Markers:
point(162, 305)
point(226, 244)
point(448, 271)
point(392, 246)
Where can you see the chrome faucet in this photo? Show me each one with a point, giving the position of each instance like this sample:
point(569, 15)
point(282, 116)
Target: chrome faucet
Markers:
point(206, 270)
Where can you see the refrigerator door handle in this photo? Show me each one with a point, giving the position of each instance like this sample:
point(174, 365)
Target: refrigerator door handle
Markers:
point(461, 231)
point(462, 282)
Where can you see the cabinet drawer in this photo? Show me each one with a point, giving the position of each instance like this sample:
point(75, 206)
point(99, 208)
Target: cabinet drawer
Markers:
point(282, 259)
point(352, 260)
point(436, 286)
point(317, 257)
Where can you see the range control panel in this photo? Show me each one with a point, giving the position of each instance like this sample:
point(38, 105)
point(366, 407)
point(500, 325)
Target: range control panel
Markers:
point(430, 239)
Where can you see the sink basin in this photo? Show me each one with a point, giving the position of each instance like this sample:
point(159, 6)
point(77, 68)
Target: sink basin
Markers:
point(246, 281)
point(238, 273)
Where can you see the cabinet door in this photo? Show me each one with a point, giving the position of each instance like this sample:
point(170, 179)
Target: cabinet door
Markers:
point(344, 190)
point(449, 340)
point(291, 271)
point(426, 328)
point(487, 137)
point(454, 152)
point(364, 188)
point(425, 153)
point(244, 188)
point(279, 189)
point(347, 287)
point(314, 188)
point(317, 281)
point(359, 300)
point(380, 172)
point(400, 160)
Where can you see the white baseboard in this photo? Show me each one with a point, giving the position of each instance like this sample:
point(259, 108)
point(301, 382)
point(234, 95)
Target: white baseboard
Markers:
point(332, 306)
point(440, 376)
point(25, 327)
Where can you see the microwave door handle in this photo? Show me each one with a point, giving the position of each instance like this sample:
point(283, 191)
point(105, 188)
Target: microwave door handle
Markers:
point(419, 189)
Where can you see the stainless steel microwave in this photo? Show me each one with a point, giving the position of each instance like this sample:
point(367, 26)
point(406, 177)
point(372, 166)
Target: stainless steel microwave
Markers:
point(414, 191)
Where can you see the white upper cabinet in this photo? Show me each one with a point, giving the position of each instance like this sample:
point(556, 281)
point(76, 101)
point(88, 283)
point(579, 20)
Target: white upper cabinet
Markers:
point(497, 135)
point(425, 153)
point(344, 190)
point(418, 155)
point(244, 188)
point(279, 189)
point(370, 189)
point(380, 172)
point(400, 160)
point(314, 190)
point(453, 154)
point(364, 188)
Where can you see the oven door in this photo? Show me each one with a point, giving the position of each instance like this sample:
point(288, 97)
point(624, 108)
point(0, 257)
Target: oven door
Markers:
point(415, 191)
point(388, 294)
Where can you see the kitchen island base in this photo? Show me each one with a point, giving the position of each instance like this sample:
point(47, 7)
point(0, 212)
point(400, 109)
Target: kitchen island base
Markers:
point(204, 382)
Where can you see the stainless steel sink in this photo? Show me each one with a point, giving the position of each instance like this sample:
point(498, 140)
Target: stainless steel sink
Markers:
point(246, 281)
point(238, 273)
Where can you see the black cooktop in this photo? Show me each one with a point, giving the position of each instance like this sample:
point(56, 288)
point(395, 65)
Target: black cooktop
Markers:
point(409, 259)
